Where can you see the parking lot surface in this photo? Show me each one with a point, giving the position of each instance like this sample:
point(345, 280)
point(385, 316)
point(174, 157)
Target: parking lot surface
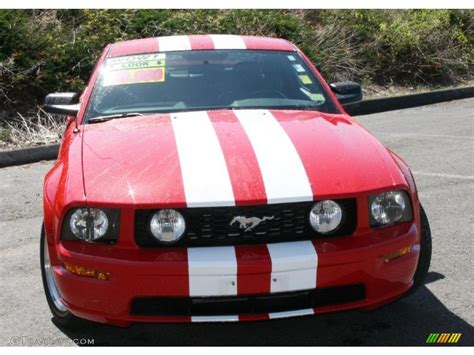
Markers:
point(437, 142)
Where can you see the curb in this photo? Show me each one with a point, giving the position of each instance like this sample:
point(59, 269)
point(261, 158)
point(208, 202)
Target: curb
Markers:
point(367, 107)
point(28, 155)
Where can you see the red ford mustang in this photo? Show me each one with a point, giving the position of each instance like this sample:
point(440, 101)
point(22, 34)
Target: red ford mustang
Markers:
point(218, 178)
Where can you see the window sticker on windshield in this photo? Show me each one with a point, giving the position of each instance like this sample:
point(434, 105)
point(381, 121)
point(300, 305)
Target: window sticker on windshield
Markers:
point(134, 76)
point(292, 58)
point(317, 98)
point(135, 69)
point(153, 60)
point(299, 68)
point(305, 79)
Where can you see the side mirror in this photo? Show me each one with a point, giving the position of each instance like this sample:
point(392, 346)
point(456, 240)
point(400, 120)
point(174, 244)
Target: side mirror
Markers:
point(347, 91)
point(62, 103)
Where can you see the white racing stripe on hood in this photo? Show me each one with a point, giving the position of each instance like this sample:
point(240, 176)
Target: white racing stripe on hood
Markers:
point(205, 177)
point(228, 42)
point(174, 43)
point(283, 172)
point(294, 266)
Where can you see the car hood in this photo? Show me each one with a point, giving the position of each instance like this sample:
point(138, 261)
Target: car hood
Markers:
point(225, 158)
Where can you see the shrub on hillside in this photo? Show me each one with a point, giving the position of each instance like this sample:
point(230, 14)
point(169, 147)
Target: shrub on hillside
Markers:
point(48, 50)
point(410, 46)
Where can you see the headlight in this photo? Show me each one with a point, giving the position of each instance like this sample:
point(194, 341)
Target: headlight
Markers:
point(389, 208)
point(167, 226)
point(91, 224)
point(325, 216)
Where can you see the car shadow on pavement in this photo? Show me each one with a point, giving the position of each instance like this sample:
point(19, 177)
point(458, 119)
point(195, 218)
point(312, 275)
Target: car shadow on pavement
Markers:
point(405, 322)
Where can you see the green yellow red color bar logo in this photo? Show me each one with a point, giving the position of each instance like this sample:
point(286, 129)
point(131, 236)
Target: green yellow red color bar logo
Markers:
point(443, 338)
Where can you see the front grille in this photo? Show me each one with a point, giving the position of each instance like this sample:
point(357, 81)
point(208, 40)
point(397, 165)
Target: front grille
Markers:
point(211, 226)
point(251, 304)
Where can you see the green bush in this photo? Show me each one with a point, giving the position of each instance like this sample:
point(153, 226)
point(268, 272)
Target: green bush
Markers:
point(48, 50)
point(410, 46)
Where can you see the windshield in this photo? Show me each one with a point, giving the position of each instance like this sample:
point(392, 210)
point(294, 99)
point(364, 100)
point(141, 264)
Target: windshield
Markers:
point(207, 80)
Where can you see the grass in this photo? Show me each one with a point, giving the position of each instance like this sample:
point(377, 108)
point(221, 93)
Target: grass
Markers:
point(38, 128)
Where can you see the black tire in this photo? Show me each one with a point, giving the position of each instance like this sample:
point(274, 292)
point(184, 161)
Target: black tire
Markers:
point(61, 317)
point(425, 254)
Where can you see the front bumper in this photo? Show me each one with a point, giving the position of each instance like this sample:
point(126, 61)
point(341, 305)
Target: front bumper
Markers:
point(151, 273)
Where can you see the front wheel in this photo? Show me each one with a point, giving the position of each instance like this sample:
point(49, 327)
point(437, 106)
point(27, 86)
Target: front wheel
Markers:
point(425, 253)
point(60, 313)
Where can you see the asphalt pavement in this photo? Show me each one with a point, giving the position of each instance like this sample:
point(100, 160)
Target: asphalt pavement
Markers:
point(438, 143)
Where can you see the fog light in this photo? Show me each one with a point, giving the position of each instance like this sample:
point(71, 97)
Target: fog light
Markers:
point(325, 216)
point(167, 226)
point(82, 271)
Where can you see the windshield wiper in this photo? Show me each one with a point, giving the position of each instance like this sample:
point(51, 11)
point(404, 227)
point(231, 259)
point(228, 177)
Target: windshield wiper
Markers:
point(113, 117)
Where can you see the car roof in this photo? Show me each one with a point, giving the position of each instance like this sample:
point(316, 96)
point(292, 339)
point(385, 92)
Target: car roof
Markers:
point(198, 42)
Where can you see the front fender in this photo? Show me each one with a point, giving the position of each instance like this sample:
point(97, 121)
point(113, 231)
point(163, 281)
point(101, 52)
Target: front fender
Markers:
point(63, 185)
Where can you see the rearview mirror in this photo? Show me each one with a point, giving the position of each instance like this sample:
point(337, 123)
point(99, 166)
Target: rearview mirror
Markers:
point(347, 91)
point(62, 103)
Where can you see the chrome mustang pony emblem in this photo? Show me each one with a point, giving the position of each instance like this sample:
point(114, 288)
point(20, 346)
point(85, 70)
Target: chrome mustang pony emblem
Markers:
point(249, 223)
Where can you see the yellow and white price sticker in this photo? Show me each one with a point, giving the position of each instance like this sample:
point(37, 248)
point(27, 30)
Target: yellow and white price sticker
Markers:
point(141, 61)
